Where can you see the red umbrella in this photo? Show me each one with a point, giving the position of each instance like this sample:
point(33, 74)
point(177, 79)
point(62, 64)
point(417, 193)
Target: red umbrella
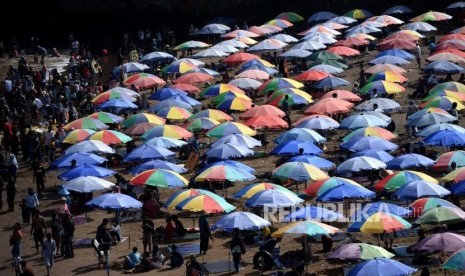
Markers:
point(186, 87)
point(396, 44)
point(267, 121)
point(452, 36)
point(385, 67)
point(351, 42)
point(312, 75)
point(403, 36)
point(343, 95)
point(144, 81)
point(254, 74)
point(193, 78)
point(261, 110)
point(240, 58)
point(451, 44)
point(343, 51)
point(329, 106)
point(453, 51)
point(139, 129)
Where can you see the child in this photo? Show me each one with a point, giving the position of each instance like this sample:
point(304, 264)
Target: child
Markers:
point(24, 211)
point(48, 252)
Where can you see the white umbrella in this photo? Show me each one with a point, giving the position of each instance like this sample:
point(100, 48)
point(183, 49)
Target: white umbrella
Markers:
point(320, 38)
point(234, 43)
point(210, 53)
point(87, 184)
point(285, 38)
point(225, 48)
point(384, 104)
point(345, 20)
point(357, 164)
point(238, 139)
point(419, 26)
point(309, 45)
point(90, 146)
point(245, 83)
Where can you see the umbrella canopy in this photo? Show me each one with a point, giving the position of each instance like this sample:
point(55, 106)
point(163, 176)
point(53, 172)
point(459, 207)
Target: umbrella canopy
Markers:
point(343, 20)
point(381, 267)
point(202, 124)
point(445, 138)
point(139, 129)
point(319, 187)
point(377, 154)
point(142, 118)
point(153, 56)
point(438, 127)
point(255, 74)
point(166, 93)
point(295, 97)
point(357, 252)
point(317, 122)
point(171, 131)
point(384, 67)
point(398, 179)
point(191, 78)
point(431, 16)
point(114, 201)
point(237, 139)
point(379, 222)
point(444, 102)
point(294, 147)
point(310, 212)
point(217, 89)
point(144, 81)
point(301, 134)
point(174, 113)
point(267, 121)
point(361, 121)
point(357, 164)
point(446, 242)
point(218, 115)
point(343, 95)
point(418, 189)
point(106, 118)
point(409, 161)
point(110, 137)
point(111, 95)
point(87, 184)
point(369, 142)
point(387, 76)
point(397, 53)
point(224, 172)
point(81, 158)
point(157, 164)
point(78, 135)
point(86, 170)
point(398, 10)
point(246, 83)
point(321, 16)
point(212, 29)
point(331, 82)
point(250, 190)
point(426, 118)
point(298, 171)
point(382, 86)
point(179, 196)
point(87, 123)
point(423, 205)
point(228, 128)
point(456, 261)
point(329, 106)
point(148, 152)
point(442, 215)
point(159, 178)
point(228, 150)
point(445, 160)
point(240, 220)
point(311, 75)
point(375, 207)
point(279, 83)
point(165, 142)
point(386, 105)
point(90, 146)
point(444, 67)
point(261, 110)
point(346, 191)
point(206, 204)
point(358, 14)
point(295, 53)
point(316, 161)
point(376, 132)
point(129, 68)
point(118, 104)
point(306, 227)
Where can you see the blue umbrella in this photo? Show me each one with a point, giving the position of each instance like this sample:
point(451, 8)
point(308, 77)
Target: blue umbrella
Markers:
point(213, 28)
point(445, 138)
point(390, 60)
point(331, 82)
point(239, 140)
point(147, 152)
point(114, 201)
point(375, 207)
point(362, 120)
point(318, 122)
point(443, 67)
point(368, 142)
point(245, 83)
point(458, 188)
point(327, 68)
point(456, 5)
point(301, 134)
point(186, 99)
point(381, 155)
point(232, 163)
point(129, 68)
point(166, 93)
point(165, 142)
point(118, 104)
point(360, 163)
point(273, 198)
point(241, 220)
point(386, 105)
point(321, 16)
point(316, 161)
point(82, 158)
point(381, 267)
point(170, 103)
point(438, 127)
point(157, 164)
point(250, 63)
point(400, 9)
point(153, 56)
point(258, 66)
point(397, 53)
point(295, 53)
point(62, 191)
point(426, 118)
point(420, 188)
point(311, 212)
point(409, 161)
point(228, 150)
point(207, 71)
point(345, 190)
point(86, 170)
point(380, 115)
point(292, 148)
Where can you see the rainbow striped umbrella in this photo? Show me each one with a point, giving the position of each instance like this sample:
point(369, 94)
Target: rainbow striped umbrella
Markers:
point(389, 76)
point(378, 223)
point(280, 23)
point(178, 67)
point(450, 85)
point(445, 160)
point(453, 94)
point(442, 215)
point(224, 173)
point(174, 113)
point(298, 171)
point(201, 124)
point(382, 87)
point(171, 131)
point(279, 83)
point(78, 135)
point(396, 180)
point(456, 261)
point(218, 115)
point(456, 175)
point(319, 187)
point(110, 137)
point(370, 131)
point(307, 228)
point(423, 205)
point(106, 118)
point(229, 95)
point(295, 97)
point(443, 102)
point(111, 95)
point(228, 128)
point(205, 204)
point(236, 103)
point(165, 142)
point(290, 16)
point(139, 129)
point(87, 123)
point(191, 44)
point(142, 118)
point(358, 14)
point(159, 178)
point(144, 80)
point(216, 89)
point(179, 196)
point(250, 190)
point(431, 16)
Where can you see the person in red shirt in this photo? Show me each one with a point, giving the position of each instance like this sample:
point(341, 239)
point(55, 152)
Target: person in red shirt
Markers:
point(169, 228)
point(27, 271)
point(150, 208)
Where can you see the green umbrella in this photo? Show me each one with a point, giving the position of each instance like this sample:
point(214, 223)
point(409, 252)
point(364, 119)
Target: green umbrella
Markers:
point(330, 63)
point(456, 261)
point(323, 55)
point(442, 215)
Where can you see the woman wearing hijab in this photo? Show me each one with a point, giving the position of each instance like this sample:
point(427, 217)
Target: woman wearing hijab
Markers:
point(205, 234)
point(13, 165)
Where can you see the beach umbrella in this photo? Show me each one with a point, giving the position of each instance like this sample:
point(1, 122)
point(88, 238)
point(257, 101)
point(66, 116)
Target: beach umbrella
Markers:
point(228, 151)
point(311, 75)
point(445, 242)
point(261, 110)
point(329, 106)
point(228, 128)
point(148, 152)
point(165, 142)
point(357, 252)
point(181, 195)
point(360, 163)
point(377, 132)
point(419, 27)
point(396, 180)
point(431, 16)
point(224, 172)
point(450, 85)
point(295, 97)
point(387, 77)
point(295, 53)
point(207, 71)
point(327, 68)
point(110, 95)
point(250, 190)
point(77, 135)
point(440, 215)
point(106, 118)
point(447, 57)
point(234, 103)
point(293, 147)
point(254, 74)
point(144, 81)
point(171, 102)
point(343, 51)
point(88, 184)
point(381, 267)
point(384, 67)
point(343, 20)
point(81, 158)
point(191, 44)
point(321, 16)
point(201, 124)
point(298, 171)
point(159, 178)
point(316, 161)
point(409, 161)
point(129, 68)
point(351, 42)
point(451, 44)
point(90, 146)
point(451, 94)
point(125, 91)
point(369, 142)
point(423, 112)
point(240, 220)
point(118, 104)
point(306, 228)
point(232, 163)
point(427, 118)
point(166, 93)
point(139, 129)
point(217, 89)
point(267, 45)
point(358, 14)
point(443, 67)
point(192, 61)
point(309, 45)
point(398, 10)
point(319, 187)
point(386, 20)
point(445, 138)
point(246, 83)
point(456, 261)
point(345, 191)
point(331, 82)
point(321, 122)
point(343, 95)
point(114, 201)
point(300, 134)
point(423, 205)
point(397, 53)
point(209, 53)
point(279, 83)
point(224, 48)
point(174, 113)
point(142, 118)
point(310, 212)
point(217, 115)
point(375, 207)
point(273, 198)
point(153, 56)
point(171, 131)
point(444, 102)
point(86, 123)
point(191, 78)
point(206, 204)
point(378, 223)
point(390, 60)
point(110, 137)
point(330, 62)
point(362, 120)
point(385, 104)
point(457, 175)
point(186, 87)
point(456, 5)
point(239, 57)
point(213, 28)
point(324, 55)
point(284, 38)
point(381, 155)
point(86, 170)
point(267, 121)
point(445, 160)
point(239, 34)
point(157, 164)
point(237, 139)
point(362, 29)
point(420, 188)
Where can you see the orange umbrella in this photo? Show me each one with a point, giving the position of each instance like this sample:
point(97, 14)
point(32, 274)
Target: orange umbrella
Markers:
point(451, 37)
point(240, 57)
point(311, 75)
point(193, 78)
point(385, 67)
point(453, 51)
point(403, 36)
point(186, 87)
point(343, 95)
point(254, 74)
point(261, 110)
point(144, 81)
point(395, 43)
point(351, 42)
point(329, 106)
point(266, 121)
point(343, 51)
point(335, 26)
point(239, 33)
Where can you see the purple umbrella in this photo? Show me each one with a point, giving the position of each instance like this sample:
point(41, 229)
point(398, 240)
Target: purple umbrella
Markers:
point(446, 242)
point(357, 252)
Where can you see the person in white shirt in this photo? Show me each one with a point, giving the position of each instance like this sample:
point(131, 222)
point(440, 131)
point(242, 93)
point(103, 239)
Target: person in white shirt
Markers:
point(48, 137)
point(377, 109)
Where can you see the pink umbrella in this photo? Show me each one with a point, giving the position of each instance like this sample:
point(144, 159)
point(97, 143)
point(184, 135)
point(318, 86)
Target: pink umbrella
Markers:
point(186, 87)
point(446, 242)
point(343, 95)
point(351, 42)
point(254, 74)
point(261, 110)
point(329, 106)
point(343, 51)
point(395, 43)
point(266, 121)
point(193, 78)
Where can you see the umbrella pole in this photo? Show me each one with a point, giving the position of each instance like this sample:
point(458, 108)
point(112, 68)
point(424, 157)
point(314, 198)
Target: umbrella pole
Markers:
point(378, 240)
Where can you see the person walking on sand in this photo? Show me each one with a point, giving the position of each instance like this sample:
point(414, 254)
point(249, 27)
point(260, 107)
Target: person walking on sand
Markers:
point(11, 193)
point(38, 229)
point(48, 252)
point(15, 240)
point(31, 203)
point(286, 108)
point(418, 54)
point(205, 234)
point(237, 248)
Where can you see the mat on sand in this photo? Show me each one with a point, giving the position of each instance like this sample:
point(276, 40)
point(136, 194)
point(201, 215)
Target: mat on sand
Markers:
point(188, 248)
point(221, 266)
